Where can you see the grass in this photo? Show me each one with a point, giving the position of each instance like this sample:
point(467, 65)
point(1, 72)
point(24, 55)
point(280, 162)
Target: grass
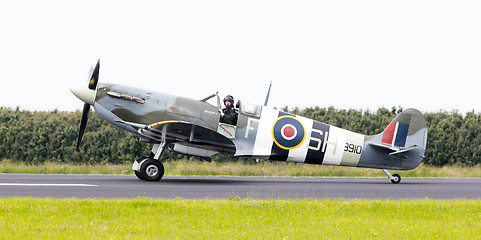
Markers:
point(238, 219)
point(7, 166)
point(265, 168)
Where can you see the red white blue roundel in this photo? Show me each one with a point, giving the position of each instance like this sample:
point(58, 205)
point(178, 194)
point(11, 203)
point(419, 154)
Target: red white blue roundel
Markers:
point(288, 132)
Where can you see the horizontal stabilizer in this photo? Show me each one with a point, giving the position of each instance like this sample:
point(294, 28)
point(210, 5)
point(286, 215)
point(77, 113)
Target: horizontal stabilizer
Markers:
point(404, 150)
point(385, 146)
point(394, 149)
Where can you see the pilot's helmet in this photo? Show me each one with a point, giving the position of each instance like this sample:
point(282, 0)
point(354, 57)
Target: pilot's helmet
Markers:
point(229, 98)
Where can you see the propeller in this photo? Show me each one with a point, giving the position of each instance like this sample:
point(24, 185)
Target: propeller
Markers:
point(94, 79)
point(80, 93)
point(83, 124)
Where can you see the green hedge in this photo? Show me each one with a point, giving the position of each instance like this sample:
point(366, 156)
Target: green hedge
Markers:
point(36, 137)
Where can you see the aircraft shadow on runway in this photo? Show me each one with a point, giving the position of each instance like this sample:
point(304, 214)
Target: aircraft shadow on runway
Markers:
point(201, 180)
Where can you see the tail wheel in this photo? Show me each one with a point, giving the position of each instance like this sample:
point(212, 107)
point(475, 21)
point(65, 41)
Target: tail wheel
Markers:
point(396, 178)
point(151, 170)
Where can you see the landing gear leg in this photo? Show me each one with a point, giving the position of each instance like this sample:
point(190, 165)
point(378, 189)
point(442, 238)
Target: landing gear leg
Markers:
point(150, 168)
point(395, 178)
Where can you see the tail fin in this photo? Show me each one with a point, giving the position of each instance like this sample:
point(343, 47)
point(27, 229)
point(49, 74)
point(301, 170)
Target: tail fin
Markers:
point(407, 129)
point(406, 135)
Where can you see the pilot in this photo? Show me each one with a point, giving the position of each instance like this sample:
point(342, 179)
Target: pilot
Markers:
point(229, 114)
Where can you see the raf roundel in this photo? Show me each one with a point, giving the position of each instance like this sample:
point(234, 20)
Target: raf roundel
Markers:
point(288, 132)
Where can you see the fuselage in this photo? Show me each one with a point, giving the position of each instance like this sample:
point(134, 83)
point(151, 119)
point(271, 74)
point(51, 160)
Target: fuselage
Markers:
point(260, 132)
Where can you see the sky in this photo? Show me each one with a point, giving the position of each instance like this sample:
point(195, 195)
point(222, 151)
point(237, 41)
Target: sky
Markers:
point(347, 54)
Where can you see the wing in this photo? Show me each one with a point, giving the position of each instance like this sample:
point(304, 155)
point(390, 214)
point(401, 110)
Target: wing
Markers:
point(186, 134)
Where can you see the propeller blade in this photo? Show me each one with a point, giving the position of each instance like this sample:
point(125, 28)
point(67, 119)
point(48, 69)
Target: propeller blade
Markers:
point(94, 79)
point(83, 124)
point(91, 71)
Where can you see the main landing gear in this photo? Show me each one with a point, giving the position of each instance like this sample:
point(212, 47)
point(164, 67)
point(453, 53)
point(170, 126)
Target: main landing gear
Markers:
point(150, 168)
point(395, 178)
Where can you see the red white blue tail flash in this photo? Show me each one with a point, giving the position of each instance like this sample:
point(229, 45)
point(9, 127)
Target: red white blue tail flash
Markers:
point(395, 134)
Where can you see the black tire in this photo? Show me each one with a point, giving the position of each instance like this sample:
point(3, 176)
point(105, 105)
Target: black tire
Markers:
point(396, 178)
point(139, 176)
point(137, 173)
point(151, 170)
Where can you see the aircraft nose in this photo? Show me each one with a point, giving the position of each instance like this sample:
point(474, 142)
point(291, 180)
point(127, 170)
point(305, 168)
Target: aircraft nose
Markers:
point(84, 93)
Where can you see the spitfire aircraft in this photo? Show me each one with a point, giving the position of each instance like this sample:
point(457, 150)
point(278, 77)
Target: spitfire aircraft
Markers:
point(194, 127)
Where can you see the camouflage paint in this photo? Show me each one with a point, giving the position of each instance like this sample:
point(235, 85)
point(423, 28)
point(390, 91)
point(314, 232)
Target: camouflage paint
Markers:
point(258, 136)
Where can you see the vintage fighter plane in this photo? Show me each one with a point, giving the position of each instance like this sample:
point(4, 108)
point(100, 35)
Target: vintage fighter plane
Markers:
point(193, 127)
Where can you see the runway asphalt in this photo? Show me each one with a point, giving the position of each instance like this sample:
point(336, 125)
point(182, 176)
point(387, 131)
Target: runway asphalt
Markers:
point(222, 187)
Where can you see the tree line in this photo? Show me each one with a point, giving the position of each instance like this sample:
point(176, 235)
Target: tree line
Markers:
point(36, 137)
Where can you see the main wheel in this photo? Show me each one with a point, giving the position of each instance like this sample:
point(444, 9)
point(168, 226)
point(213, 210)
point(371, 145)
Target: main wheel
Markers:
point(139, 176)
point(396, 178)
point(151, 170)
point(137, 173)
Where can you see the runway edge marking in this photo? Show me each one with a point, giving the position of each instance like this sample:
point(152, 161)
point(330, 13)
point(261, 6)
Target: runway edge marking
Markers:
point(48, 184)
